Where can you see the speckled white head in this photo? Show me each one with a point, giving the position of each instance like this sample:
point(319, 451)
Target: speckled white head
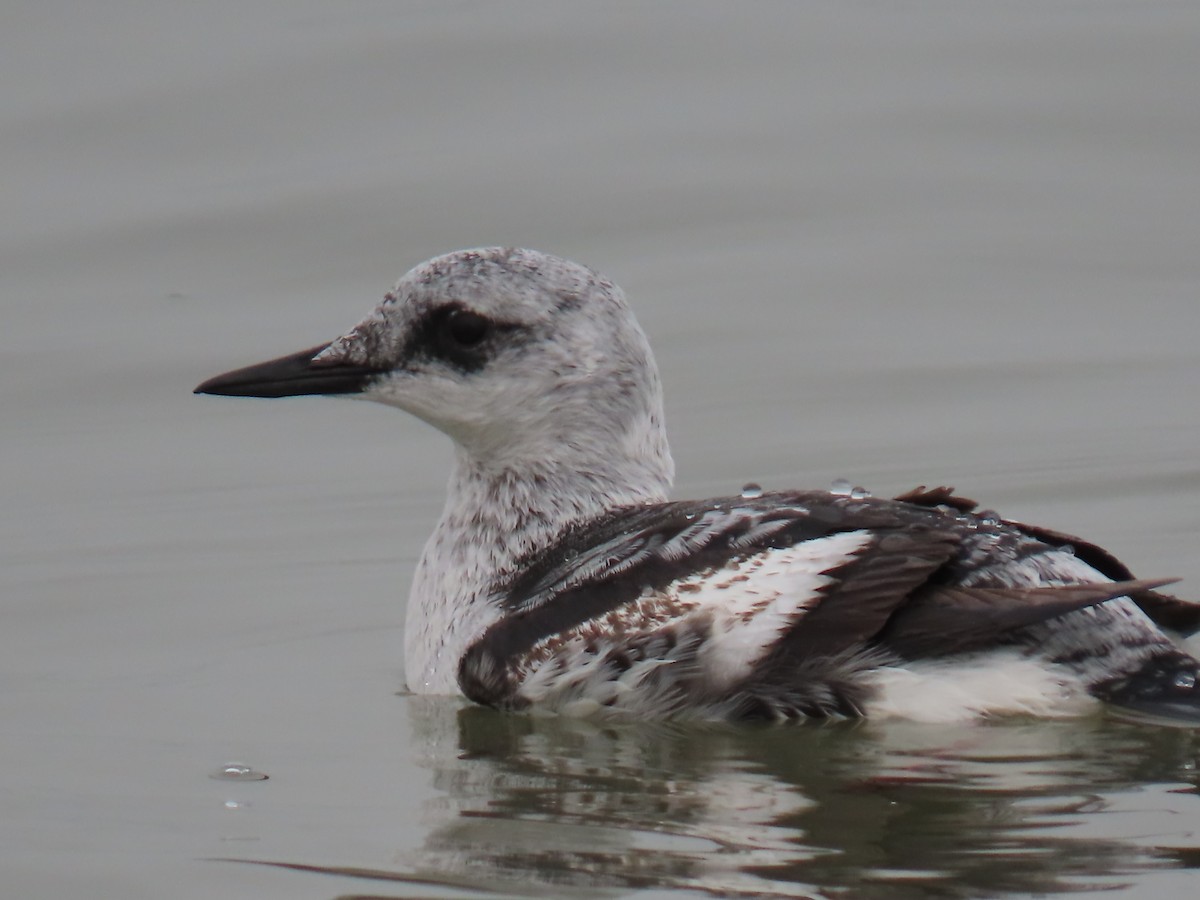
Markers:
point(516, 355)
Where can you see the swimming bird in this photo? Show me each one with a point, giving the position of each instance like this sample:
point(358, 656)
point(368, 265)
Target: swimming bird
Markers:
point(561, 577)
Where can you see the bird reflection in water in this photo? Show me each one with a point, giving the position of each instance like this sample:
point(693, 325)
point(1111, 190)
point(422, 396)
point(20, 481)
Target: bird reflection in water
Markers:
point(562, 807)
point(551, 805)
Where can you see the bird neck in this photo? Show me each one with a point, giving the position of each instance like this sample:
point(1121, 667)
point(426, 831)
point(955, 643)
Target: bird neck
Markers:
point(493, 518)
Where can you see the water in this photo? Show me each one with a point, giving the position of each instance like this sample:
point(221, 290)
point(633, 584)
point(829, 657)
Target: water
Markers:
point(889, 810)
point(238, 772)
point(919, 244)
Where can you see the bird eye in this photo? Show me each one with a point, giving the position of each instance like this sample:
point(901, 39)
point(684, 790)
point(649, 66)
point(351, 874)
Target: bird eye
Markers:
point(465, 328)
point(460, 337)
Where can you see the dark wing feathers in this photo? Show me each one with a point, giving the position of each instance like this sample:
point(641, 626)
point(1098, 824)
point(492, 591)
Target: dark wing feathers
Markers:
point(937, 496)
point(1169, 612)
point(955, 619)
point(865, 594)
point(600, 567)
point(660, 544)
point(1165, 610)
point(897, 594)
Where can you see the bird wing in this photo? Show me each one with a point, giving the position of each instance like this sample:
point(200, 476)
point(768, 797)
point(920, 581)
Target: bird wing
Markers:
point(742, 606)
point(1165, 610)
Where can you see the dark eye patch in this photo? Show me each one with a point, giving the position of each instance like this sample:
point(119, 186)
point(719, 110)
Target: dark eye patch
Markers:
point(460, 336)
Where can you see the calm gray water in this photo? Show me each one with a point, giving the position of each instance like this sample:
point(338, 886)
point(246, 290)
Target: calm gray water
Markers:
point(899, 243)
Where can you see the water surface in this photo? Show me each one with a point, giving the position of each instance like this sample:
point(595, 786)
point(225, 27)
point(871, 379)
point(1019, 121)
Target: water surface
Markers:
point(904, 244)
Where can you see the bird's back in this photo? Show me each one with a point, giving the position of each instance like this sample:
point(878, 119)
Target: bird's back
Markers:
point(804, 604)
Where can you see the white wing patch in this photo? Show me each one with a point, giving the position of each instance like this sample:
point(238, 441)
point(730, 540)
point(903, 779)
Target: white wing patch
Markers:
point(729, 618)
point(753, 603)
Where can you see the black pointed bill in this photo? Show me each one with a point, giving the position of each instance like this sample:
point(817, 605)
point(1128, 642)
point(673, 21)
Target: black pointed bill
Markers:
point(291, 376)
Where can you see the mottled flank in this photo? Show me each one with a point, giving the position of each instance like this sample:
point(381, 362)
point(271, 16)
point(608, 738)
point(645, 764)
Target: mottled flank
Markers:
point(561, 577)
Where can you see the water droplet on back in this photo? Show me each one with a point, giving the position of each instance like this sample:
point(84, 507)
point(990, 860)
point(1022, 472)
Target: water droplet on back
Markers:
point(858, 492)
point(841, 487)
point(1185, 681)
point(751, 491)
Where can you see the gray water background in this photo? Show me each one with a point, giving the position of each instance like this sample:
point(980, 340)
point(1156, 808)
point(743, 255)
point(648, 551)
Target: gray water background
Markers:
point(927, 242)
